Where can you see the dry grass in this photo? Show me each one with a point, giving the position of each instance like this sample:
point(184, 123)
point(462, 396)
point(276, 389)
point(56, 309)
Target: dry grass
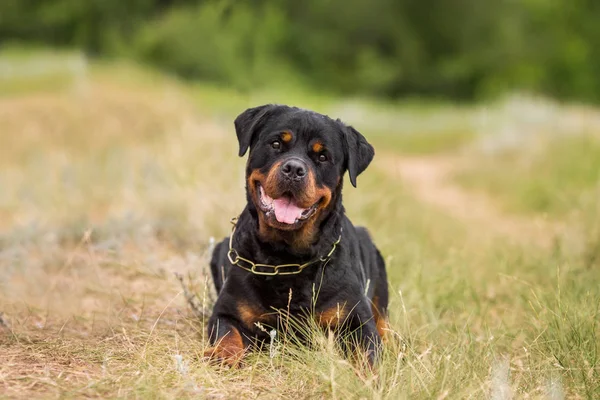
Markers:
point(109, 191)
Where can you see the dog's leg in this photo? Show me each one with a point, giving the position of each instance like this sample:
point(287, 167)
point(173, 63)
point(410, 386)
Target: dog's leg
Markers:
point(369, 341)
point(362, 333)
point(379, 303)
point(228, 345)
point(217, 265)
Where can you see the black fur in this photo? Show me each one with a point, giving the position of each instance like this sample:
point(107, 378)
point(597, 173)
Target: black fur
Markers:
point(356, 274)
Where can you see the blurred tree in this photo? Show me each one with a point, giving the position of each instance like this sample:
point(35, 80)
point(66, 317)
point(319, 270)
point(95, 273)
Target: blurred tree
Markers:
point(460, 49)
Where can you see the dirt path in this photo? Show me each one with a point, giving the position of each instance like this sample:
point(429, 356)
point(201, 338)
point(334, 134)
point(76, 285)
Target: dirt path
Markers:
point(430, 178)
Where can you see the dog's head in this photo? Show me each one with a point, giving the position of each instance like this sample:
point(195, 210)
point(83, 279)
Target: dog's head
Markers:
point(296, 166)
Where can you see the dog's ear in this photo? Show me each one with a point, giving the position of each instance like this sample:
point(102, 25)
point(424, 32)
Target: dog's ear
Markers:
point(248, 123)
point(359, 152)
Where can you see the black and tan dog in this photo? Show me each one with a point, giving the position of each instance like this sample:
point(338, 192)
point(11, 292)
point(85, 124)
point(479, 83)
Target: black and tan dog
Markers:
point(293, 237)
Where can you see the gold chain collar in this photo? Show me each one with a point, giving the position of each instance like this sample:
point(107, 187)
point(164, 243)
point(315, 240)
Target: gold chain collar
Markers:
point(272, 270)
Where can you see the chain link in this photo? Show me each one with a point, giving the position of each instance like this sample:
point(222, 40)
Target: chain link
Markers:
point(272, 270)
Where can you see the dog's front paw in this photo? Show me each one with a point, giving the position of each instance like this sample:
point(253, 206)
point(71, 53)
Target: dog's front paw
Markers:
point(225, 355)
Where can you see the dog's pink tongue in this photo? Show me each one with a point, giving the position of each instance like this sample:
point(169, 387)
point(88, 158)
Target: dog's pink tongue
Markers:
point(286, 210)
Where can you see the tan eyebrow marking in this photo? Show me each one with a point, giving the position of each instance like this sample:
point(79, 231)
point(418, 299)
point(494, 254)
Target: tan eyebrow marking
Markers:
point(286, 136)
point(318, 147)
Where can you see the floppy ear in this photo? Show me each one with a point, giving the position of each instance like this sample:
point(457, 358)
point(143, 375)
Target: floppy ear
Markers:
point(248, 123)
point(360, 153)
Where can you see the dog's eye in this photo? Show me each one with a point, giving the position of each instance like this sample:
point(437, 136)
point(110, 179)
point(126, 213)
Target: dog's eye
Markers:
point(276, 145)
point(322, 157)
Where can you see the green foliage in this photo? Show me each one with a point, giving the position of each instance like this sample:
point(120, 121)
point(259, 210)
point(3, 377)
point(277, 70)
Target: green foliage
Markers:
point(202, 42)
point(446, 49)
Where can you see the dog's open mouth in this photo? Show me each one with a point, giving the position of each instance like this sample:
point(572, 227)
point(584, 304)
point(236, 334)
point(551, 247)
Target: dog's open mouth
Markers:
point(284, 208)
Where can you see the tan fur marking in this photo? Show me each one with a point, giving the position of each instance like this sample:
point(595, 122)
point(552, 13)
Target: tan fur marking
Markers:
point(304, 236)
point(250, 314)
point(287, 136)
point(318, 147)
point(332, 317)
point(229, 350)
point(380, 321)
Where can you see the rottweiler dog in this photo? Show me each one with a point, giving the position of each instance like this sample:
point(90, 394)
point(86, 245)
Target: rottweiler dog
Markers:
point(293, 248)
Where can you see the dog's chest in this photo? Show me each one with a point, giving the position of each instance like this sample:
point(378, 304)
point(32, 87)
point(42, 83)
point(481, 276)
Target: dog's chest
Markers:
point(294, 295)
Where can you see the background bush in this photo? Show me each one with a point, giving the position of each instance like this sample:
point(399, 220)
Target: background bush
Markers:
point(457, 49)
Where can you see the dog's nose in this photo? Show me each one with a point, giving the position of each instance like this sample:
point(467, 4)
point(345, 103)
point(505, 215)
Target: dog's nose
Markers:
point(294, 169)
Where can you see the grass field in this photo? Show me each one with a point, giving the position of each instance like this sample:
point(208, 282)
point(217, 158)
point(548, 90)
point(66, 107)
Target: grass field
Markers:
point(113, 182)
